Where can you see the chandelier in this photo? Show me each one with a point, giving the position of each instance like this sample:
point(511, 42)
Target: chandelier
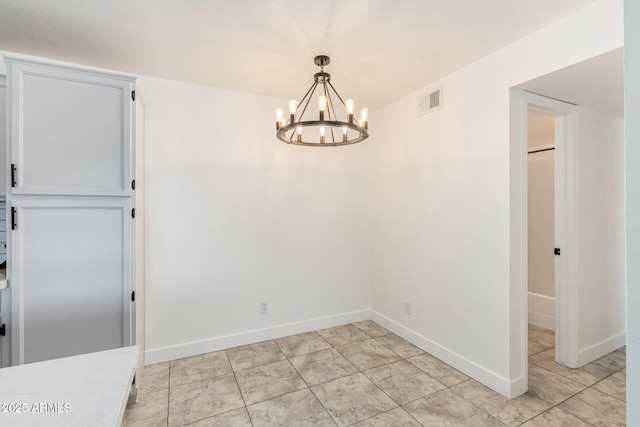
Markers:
point(327, 130)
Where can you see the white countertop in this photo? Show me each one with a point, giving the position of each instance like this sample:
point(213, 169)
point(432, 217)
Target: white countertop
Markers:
point(87, 390)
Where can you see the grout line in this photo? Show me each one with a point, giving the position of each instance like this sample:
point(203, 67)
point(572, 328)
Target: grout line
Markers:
point(168, 393)
point(307, 384)
point(239, 389)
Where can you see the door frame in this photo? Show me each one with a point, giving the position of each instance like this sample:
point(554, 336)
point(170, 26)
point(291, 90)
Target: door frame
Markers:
point(566, 346)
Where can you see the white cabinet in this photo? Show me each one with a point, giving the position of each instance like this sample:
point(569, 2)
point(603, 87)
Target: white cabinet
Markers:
point(72, 262)
point(70, 131)
point(72, 241)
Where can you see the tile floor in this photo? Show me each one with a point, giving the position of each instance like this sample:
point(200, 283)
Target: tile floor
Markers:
point(363, 375)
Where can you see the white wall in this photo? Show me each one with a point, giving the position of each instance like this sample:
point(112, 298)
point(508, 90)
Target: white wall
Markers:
point(442, 208)
point(601, 222)
point(236, 217)
point(632, 179)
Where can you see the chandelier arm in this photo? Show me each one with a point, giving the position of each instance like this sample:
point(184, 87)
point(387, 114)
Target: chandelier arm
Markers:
point(310, 92)
point(330, 103)
point(328, 95)
point(337, 94)
point(305, 95)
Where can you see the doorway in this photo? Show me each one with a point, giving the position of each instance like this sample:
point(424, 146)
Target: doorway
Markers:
point(563, 117)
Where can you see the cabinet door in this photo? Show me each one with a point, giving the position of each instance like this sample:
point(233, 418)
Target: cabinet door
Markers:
point(70, 131)
point(5, 319)
point(71, 282)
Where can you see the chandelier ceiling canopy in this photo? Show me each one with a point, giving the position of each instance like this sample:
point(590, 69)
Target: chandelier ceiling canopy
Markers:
point(333, 124)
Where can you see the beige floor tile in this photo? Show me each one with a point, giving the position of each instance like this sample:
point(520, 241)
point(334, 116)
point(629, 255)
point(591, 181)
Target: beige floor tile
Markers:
point(397, 417)
point(551, 387)
point(438, 369)
point(296, 345)
point(202, 399)
point(352, 399)
point(300, 409)
point(252, 355)
point(268, 381)
point(344, 334)
point(367, 354)
point(447, 409)
point(615, 360)
point(150, 411)
point(542, 336)
point(399, 346)
point(614, 386)
point(555, 417)
point(323, 366)
point(197, 368)
point(371, 328)
point(596, 408)
point(403, 382)
point(510, 412)
point(235, 418)
point(588, 374)
point(153, 378)
point(535, 348)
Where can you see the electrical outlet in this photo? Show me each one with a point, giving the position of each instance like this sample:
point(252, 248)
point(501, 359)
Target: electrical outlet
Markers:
point(407, 307)
point(264, 308)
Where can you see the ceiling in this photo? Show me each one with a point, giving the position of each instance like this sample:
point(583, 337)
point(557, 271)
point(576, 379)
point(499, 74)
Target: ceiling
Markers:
point(380, 49)
point(596, 83)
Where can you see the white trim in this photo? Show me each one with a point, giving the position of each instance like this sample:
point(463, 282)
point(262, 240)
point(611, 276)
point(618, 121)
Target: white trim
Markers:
point(494, 381)
point(38, 60)
point(194, 348)
point(565, 232)
point(602, 348)
point(542, 309)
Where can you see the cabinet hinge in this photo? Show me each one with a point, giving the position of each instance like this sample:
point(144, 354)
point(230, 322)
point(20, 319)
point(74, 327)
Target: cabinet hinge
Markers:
point(133, 296)
point(3, 330)
point(13, 175)
point(133, 213)
point(556, 251)
point(133, 95)
point(14, 215)
point(133, 184)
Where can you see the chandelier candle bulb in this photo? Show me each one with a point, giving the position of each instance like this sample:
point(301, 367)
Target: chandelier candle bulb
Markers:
point(322, 102)
point(279, 115)
point(293, 106)
point(299, 129)
point(322, 135)
point(322, 105)
point(364, 114)
point(349, 105)
point(344, 133)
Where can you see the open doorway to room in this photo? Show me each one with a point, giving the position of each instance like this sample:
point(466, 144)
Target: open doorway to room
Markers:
point(568, 241)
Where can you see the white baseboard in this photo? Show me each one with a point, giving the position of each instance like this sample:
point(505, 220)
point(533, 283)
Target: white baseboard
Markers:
point(604, 347)
point(509, 389)
point(542, 311)
point(195, 348)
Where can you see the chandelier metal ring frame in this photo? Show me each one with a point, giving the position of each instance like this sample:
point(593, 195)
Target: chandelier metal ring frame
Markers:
point(349, 131)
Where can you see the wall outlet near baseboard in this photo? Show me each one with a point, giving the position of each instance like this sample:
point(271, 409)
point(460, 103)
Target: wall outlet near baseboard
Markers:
point(407, 307)
point(264, 308)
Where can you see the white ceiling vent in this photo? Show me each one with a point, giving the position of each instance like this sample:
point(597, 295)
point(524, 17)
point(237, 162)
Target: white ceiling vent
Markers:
point(429, 102)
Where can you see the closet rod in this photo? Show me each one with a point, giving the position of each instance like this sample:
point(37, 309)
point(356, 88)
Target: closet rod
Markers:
point(541, 150)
